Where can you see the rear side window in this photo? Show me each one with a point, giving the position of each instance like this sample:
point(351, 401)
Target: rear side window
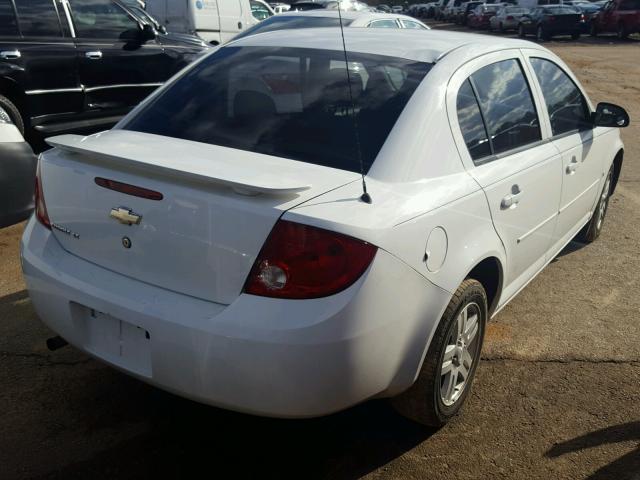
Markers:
point(567, 107)
point(284, 22)
point(384, 24)
point(38, 18)
point(471, 124)
point(507, 106)
point(287, 102)
point(413, 25)
point(101, 19)
point(8, 23)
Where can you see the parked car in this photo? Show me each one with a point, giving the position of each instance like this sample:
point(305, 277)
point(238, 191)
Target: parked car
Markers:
point(397, 9)
point(216, 22)
point(219, 243)
point(384, 8)
point(82, 64)
point(331, 18)
point(17, 168)
point(619, 16)
point(507, 18)
point(481, 15)
point(465, 10)
point(451, 10)
point(550, 21)
point(588, 11)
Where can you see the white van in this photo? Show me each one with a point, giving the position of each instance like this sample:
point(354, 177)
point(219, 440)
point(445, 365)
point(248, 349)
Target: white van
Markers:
point(215, 21)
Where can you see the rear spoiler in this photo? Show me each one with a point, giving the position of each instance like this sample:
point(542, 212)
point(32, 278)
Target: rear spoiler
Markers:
point(245, 172)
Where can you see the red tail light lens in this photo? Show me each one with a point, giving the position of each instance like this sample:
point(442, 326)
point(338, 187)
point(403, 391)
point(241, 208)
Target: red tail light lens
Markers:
point(298, 261)
point(41, 207)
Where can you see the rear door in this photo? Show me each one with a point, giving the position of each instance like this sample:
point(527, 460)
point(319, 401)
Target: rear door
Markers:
point(117, 69)
point(43, 61)
point(583, 155)
point(501, 140)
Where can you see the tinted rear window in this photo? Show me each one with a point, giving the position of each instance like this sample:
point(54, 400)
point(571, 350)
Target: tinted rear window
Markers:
point(287, 102)
point(8, 24)
point(283, 22)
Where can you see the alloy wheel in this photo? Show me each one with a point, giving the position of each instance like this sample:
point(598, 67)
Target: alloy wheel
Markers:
point(459, 354)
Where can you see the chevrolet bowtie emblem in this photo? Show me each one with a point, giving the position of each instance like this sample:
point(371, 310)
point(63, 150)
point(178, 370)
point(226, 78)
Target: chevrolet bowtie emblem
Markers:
point(125, 215)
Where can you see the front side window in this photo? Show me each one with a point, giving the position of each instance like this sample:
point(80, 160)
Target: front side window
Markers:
point(287, 102)
point(471, 124)
point(567, 107)
point(8, 23)
point(507, 105)
point(102, 19)
point(38, 18)
point(384, 24)
point(259, 11)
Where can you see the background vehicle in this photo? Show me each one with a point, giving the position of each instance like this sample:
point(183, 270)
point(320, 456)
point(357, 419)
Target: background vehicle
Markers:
point(451, 9)
point(465, 10)
point(481, 15)
point(83, 64)
point(506, 18)
point(588, 11)
point(214, 21)
point(244, 267)
point(17, 168)
point(330, 18)
point(546, 22)
point(619, 16)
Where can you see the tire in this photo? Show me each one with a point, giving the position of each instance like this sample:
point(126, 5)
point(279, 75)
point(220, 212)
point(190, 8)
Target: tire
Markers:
point(593, 29)
point(541, 35)
point(435, 398)
point(591, 230)
point(500, 28)
point(575, 36)
point(521, 32)
point(14, 114)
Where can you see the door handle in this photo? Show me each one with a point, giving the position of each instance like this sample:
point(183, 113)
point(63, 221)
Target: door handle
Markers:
point(239, 25)
point(10, 54)
point(511, 200)
point(97, 55)
point(573, 166)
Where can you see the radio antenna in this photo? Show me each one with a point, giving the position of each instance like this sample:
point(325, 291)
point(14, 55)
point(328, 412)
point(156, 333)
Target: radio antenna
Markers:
point(365, 197)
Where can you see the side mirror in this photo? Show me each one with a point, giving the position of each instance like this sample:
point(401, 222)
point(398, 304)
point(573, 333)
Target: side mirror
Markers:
point(610, 115)
point(147, 33)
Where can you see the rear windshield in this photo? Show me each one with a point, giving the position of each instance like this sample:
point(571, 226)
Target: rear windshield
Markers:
point(283, 22)
point(287, 102)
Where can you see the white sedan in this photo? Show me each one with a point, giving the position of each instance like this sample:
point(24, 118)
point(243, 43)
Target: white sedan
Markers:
point(218, 242)
point(331, 18)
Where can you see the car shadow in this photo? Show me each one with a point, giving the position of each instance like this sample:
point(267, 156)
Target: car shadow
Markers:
point(626, 467)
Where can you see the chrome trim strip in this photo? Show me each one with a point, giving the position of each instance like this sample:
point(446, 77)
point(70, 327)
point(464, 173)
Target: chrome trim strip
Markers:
point(122, 85)
point(537, 227)
point(55, 90)
point(578, 197)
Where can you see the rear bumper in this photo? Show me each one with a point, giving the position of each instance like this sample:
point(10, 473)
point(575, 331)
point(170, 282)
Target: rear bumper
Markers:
point(282, 358)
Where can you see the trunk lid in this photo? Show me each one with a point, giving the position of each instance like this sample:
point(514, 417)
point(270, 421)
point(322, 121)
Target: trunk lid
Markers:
point(218, 206)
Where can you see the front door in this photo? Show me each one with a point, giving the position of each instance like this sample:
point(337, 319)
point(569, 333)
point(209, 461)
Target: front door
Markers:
point(573, 135)
point(499, 128)
point(232, 19)
point(117, 68)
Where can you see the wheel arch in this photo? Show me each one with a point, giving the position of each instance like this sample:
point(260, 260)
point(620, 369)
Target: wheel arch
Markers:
point(11, 90)
point(489, 272)
point(617, 168)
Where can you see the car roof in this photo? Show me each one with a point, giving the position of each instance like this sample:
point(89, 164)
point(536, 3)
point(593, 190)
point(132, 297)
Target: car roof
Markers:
point(419, 45)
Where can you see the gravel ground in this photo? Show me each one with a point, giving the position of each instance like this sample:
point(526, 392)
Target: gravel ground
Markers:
point(556, 396)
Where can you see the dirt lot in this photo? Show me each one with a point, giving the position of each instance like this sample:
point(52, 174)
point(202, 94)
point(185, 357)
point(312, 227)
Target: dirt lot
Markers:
point(557, 395)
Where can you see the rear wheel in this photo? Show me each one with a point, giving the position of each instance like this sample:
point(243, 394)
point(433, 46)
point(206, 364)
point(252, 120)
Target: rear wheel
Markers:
point(592, 230)
point(449, 367)
point(575, 36)
point(10, 112)
point(593, 29)
point(501, 27)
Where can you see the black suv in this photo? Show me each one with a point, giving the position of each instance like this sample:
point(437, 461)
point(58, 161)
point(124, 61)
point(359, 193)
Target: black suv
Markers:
point(78, 65)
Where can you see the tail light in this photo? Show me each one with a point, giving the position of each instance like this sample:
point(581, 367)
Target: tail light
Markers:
point(41, 207)
point(582, 17)
point(510, 17)
point(299, 261)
